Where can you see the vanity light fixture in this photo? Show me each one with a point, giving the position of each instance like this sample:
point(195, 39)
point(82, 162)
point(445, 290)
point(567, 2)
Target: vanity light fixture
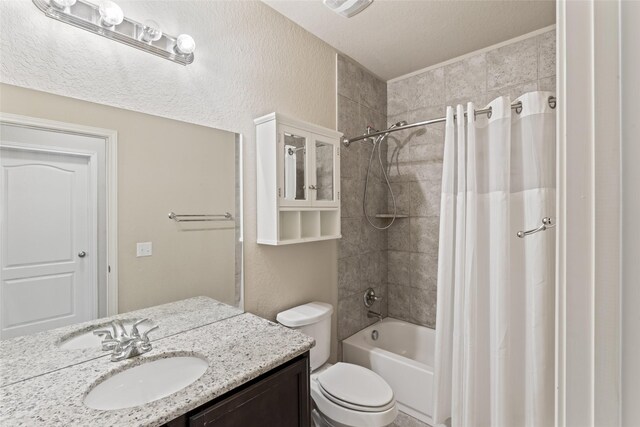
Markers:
point(107, 19)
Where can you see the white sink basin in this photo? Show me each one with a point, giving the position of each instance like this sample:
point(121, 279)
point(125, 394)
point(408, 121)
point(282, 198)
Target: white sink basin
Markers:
point(89, 340)
point(146, 383)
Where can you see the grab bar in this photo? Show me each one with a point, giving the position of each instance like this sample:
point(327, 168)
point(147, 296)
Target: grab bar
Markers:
point(200, 217)
point(547, 222)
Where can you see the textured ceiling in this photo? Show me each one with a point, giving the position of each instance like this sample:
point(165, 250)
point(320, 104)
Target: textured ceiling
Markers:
point(395, 37)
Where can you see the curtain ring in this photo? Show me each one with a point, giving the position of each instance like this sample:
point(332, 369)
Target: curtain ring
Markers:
point(519, 108)
point(552, 102)
point(490, 112)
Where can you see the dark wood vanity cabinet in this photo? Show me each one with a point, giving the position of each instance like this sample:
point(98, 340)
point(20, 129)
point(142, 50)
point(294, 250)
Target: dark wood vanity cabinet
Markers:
point(278, 398)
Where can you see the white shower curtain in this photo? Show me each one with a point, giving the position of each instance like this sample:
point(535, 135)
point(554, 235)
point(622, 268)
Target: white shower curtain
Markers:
point(494, 363)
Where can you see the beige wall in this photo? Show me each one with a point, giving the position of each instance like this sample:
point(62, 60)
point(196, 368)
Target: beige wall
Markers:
point(630, 34)
point(250, 61)
point(163, 165)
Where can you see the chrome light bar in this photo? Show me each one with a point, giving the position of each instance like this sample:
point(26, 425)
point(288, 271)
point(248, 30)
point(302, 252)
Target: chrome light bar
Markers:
point(106, 19)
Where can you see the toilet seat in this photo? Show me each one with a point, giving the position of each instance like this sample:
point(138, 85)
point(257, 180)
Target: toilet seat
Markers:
point(355, 387)
point(338, 408)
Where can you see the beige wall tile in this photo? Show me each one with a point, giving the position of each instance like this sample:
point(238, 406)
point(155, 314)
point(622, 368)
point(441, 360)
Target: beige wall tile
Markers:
point(425, 198)
point(548, 83)
point(547, 54)
point(362, 249)
point(426, 89)
point(512, 64)
point(512, 92)
point(466, 78)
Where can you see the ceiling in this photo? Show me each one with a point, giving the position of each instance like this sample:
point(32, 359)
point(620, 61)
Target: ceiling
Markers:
point(396, 37)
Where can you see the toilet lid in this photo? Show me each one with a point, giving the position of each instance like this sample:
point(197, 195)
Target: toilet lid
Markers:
point(354, 386)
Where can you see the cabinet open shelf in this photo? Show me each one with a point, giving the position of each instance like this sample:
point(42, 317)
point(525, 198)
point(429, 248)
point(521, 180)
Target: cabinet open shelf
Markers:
point(297, 226)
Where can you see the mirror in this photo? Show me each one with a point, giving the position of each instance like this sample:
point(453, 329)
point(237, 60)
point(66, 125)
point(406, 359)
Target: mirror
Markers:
point(295, 152)
point(71, 255)
point(324, 171)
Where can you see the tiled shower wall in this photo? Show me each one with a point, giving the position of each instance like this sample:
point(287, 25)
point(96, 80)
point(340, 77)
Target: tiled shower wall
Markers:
point(362, 258)
point(415, 156)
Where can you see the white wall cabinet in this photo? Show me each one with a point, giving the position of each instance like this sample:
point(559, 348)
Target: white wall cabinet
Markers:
point(298, 174)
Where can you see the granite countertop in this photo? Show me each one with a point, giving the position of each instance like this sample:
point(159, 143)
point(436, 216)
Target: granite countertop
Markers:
point(238, 349)
point(17, 361)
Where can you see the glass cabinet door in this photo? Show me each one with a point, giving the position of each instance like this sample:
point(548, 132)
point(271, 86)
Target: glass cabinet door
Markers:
point(294, 169)
point(324, 186)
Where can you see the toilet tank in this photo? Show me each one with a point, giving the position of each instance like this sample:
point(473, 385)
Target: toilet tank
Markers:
point(313, 319)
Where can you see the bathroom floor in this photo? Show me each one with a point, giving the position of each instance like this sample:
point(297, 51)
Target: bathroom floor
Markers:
point(404, 420)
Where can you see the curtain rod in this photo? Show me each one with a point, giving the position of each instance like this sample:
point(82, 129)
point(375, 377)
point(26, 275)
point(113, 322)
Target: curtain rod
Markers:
point(515, 106)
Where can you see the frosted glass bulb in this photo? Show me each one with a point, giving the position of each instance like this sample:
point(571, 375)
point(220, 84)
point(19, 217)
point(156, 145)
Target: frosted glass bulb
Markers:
point(110, 13)
point(151, 31)
point(185, 44)
point(63, 4)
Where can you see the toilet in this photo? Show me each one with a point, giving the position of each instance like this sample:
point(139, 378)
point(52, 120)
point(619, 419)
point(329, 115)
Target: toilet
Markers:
point(344, 395)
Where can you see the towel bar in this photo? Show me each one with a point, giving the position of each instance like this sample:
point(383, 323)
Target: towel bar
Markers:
point(201, 217)
point(547, 222)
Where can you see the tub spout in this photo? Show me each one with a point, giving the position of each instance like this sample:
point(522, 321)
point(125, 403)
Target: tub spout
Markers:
point(371, 314)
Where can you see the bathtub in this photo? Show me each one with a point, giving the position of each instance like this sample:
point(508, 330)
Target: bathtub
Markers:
point(403, 355)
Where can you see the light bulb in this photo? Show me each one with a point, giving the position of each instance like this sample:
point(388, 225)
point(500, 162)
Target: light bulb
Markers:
point(151, 31)
point(63, 4)
point(185, 44)
point(110, 13)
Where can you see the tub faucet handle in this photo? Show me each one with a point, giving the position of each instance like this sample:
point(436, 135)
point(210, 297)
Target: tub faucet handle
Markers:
point(370, 297)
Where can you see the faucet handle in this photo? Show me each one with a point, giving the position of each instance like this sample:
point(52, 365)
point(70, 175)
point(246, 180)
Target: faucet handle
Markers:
point(143, 343)
point(118, 329)
point(370, 297)
point(134, 329)
point(144, 336)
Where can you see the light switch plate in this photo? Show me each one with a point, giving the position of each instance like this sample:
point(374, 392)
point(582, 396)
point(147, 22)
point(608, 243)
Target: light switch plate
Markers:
point(144, 249)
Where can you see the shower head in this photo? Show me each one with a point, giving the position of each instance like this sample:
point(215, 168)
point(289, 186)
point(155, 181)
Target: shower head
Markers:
point(382, 136)
point(395, 125)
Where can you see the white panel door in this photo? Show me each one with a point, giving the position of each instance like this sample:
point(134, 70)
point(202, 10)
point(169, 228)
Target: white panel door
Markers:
point(47, 266)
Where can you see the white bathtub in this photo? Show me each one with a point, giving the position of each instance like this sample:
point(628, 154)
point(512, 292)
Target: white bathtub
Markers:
point(403, 355)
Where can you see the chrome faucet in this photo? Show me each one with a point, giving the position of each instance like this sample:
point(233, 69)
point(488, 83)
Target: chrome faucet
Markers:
point(123, 344)
point(370, 297)
point(371, 314)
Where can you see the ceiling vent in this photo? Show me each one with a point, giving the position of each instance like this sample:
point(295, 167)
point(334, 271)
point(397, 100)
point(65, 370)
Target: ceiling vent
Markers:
point(347, 8)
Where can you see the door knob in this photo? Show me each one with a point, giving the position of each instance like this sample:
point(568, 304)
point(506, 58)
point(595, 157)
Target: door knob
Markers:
point(82, 254)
